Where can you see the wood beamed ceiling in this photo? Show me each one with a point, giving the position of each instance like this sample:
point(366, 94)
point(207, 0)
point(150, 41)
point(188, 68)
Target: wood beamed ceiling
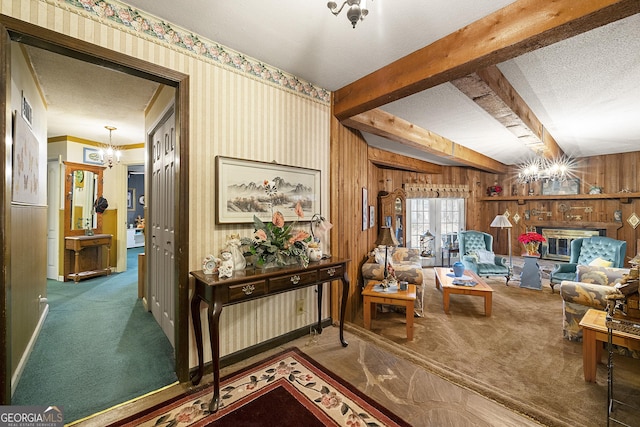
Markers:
point(474, 50)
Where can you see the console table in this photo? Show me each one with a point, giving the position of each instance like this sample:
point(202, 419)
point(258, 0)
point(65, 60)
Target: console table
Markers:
point(250, 284)
point(88, 256)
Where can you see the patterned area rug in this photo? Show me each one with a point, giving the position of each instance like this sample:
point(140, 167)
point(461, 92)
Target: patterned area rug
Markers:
point(288, 389)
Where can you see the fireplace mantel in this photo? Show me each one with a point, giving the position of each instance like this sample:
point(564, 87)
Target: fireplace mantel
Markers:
point(610, 227)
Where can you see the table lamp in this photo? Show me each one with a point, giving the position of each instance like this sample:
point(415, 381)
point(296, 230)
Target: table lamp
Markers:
point(386, 238)
point(501, 221)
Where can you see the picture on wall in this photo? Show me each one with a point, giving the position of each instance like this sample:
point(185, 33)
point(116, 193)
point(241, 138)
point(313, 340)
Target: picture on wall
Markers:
point(247, 188)
point(131, 196)
point(365, 209)
point(91, 156)
point(26, 155)
point(558, 188)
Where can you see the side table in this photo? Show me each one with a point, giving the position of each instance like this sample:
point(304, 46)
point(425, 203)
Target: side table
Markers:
point(405, 299)
point(530, 277)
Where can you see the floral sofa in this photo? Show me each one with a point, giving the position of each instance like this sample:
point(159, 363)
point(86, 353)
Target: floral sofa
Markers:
point(406, 263)
point(589, 290)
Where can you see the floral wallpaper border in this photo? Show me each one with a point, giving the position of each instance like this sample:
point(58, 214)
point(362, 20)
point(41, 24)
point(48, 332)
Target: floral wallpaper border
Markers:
point(180, 38)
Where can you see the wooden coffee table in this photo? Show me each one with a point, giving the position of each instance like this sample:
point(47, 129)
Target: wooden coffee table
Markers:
point(402, 298)
point(444, 280)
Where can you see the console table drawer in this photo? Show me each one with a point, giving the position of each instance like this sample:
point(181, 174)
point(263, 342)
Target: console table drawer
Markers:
point(247, 290)
point(331, 273)
point(292, 281)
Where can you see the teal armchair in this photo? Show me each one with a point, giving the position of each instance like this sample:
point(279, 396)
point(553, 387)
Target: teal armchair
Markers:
point(585, 250)
point(472, 244)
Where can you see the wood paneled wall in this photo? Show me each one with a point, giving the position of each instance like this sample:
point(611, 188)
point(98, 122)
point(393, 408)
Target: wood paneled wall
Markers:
point(351, 170)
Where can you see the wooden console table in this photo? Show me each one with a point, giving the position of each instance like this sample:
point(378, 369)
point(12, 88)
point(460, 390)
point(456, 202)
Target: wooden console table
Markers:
point(87, 259)
point(250, 284)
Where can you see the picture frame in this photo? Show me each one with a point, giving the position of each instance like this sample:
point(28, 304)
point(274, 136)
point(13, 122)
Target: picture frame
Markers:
point(372, 216)
point(365, 209)
point(91, 156)
point(26, 111)
point(248, 187)
point(559, 188)
point(131, 197)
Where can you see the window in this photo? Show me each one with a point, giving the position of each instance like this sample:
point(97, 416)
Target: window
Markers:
point(442, 217)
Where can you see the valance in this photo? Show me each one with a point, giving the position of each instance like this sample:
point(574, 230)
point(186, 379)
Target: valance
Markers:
point(431, 191)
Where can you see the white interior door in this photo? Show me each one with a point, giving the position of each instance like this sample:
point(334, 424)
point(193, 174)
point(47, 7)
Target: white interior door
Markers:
point(162, 282)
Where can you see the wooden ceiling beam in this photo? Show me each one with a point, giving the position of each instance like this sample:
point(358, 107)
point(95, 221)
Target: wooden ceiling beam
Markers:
point(499, 84)
point(391, 160)
point(520, 27)
point(381, 123)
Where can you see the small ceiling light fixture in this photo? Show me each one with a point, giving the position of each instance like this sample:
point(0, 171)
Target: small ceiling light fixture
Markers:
point(357, 10)
point(110, 154)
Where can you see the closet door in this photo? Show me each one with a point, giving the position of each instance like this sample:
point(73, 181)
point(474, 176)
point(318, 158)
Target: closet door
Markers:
point(162, 280)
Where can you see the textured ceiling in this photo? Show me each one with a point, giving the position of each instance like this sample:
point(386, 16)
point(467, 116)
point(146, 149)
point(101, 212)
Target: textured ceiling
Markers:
point(585, 90)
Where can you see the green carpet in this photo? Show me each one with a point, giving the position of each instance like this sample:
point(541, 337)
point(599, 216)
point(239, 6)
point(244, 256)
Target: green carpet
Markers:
point(98, 347)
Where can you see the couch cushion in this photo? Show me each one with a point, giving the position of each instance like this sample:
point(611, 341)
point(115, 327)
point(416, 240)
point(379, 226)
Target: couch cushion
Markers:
point(595, 277)
point(613, 274)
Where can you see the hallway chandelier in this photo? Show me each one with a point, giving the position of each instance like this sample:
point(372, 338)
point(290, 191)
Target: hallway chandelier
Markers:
point(356, 12)
point(110, 154)
point(542, 169)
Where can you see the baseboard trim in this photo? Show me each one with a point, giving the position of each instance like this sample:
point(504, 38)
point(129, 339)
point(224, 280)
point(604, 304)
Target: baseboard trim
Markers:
point(15, 378)
point(245, 353)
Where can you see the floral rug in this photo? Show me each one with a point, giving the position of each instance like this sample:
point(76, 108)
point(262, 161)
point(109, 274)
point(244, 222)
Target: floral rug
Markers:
point(287, 389)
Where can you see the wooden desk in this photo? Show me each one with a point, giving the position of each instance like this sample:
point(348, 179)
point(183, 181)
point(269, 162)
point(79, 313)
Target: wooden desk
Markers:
point(405, 299)
point(88, 256)
point(594, 333)
point(444, 280)
point(251, 284)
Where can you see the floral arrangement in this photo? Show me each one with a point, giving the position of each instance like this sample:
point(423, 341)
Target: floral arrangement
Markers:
point(277, 243)
point(531, 241)
point(531, 237)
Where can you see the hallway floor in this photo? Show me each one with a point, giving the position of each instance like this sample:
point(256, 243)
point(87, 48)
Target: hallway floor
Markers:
point(419, 397)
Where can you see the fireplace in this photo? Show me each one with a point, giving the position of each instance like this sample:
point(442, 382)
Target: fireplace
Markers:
point(558, 244)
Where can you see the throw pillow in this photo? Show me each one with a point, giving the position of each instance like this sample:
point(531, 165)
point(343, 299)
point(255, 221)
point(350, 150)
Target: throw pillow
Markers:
point(599, 262)
point(485, 256)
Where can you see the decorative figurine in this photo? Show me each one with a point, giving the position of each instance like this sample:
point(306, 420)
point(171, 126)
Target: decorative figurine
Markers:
point(226, 265)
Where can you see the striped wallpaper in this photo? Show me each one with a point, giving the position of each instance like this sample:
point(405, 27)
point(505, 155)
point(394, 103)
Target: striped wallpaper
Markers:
point(231, 114)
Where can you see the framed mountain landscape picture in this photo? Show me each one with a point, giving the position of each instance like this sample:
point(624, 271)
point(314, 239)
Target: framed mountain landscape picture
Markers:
point(247, 188)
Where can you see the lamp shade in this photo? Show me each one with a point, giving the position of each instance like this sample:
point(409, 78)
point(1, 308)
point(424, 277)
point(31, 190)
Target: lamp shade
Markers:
point(386, 238)
point(500, 221)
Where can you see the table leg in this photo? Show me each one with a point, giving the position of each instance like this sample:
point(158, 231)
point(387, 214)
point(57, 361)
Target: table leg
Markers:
point(343, 306)
point(367, 313)
point(438, 284)
point(76, 266)
point(318, 327)
point(488, 298)
point(409, 310)
point(197, 329)
point(445, 299)
point(589, 344)
point(214, 317)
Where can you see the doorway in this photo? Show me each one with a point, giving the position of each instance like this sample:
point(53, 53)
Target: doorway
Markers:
point(12, 29)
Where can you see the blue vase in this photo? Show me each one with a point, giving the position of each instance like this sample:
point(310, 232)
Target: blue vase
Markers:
point(458, 269)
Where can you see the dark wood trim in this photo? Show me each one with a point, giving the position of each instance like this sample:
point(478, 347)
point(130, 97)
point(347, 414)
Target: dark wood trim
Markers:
point(520, 27)
point(5, 216)
point(27, 33)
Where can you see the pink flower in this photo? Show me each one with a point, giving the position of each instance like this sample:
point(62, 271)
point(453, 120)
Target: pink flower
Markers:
point(187, 414)
point(331, 400)
point(299, 236)
point(283, 369)
point(261, 235)
point(278, 219)
point(354, 421)
point(299, 210)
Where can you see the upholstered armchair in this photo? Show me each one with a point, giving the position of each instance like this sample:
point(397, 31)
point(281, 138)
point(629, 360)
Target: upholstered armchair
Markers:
point(476, 253)
point(584, 251)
